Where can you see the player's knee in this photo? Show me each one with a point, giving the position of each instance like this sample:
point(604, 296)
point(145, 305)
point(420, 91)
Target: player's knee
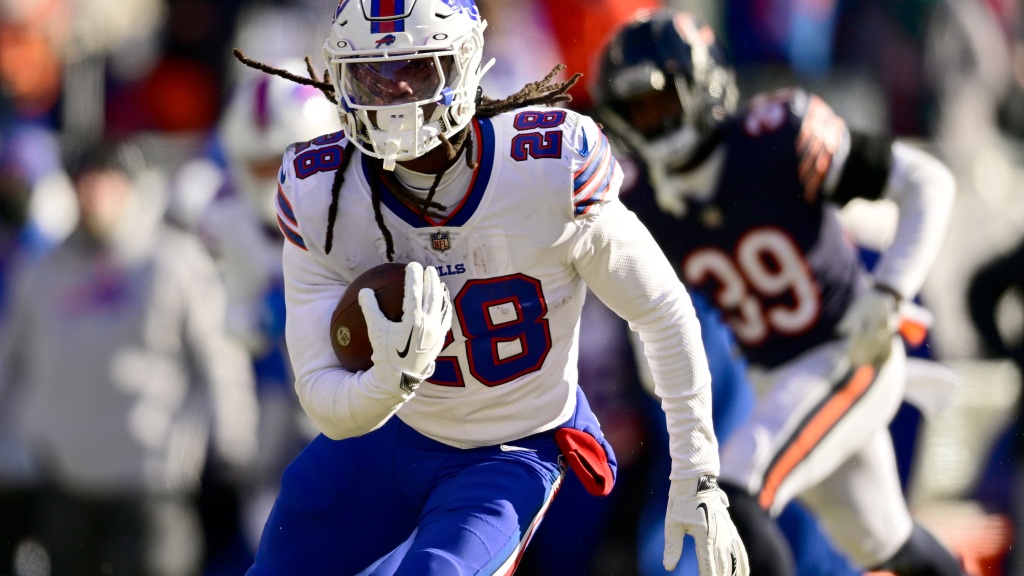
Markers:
point(433, 561)
point(922, 555)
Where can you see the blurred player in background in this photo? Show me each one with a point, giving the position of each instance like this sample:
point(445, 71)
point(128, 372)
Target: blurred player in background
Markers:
point(443, 457)
point(228, 198)
point(995, 288)
point(745, 202)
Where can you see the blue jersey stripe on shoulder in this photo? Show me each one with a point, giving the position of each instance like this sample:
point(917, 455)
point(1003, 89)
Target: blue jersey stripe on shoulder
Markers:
point(292, 236)
point(285, 207)
point(597, 159)
point(597, 196)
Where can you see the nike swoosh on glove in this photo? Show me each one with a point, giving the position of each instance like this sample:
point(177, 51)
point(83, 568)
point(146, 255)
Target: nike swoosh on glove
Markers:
point(404, 352)
point(698, 507)
point(869, 325)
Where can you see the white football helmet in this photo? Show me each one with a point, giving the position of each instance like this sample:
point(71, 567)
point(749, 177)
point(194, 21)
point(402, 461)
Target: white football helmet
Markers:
point(265, 115)
point(405, 72)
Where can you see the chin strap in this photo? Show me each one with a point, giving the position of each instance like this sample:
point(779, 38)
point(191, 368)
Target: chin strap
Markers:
point(393, 140)
point(401, 131)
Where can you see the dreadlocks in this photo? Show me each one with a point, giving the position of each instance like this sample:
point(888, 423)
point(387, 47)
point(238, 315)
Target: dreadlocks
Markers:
point(540, 93)
point(322, 84)
point(544, 92)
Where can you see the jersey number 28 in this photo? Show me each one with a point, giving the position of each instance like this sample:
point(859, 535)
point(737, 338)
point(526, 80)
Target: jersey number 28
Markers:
point(507, 334)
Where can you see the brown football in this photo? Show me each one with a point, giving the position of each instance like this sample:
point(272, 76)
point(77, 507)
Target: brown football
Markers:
point(348, 325)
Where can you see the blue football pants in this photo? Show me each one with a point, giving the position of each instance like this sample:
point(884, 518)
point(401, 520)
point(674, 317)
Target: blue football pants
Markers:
point(396, 502)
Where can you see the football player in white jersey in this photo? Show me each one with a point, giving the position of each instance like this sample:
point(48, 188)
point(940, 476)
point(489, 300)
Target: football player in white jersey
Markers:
point(745, 203)
point(443, 457)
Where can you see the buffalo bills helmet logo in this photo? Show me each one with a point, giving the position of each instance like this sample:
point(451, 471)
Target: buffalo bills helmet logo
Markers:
point(386, 41)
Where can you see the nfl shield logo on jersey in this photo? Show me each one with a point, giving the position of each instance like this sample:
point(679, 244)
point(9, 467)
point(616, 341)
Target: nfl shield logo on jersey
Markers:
point(439, 241)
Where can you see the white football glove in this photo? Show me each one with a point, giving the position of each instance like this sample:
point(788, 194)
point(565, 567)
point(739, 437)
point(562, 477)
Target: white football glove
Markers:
point(699, 508)
point(869, 324)
point(404, 352)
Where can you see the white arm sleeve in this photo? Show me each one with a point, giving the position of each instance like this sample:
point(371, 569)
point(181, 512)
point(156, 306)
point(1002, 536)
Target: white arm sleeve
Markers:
point(923, 190)
point(625, 268)
point(341, 404)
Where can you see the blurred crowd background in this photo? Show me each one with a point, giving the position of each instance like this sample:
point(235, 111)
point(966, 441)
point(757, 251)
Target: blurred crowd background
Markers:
point(159, 76)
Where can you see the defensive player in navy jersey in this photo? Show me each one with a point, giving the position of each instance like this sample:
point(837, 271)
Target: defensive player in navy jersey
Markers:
point(443, 457)
point(745, 204)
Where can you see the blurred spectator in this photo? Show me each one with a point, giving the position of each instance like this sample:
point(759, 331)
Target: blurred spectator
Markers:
point(32, 36)
point(530, 35)
point(792, 33)
point(510, 27)
point(1012, 110)
point(967, 62)
point(228, 196)
point(28, 156)
point(969, 66)
point(107, 339)
point(181, 87)
point(581, 27)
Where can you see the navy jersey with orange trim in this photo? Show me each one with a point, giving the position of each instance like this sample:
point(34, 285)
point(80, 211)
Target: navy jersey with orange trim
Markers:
point(767, 248)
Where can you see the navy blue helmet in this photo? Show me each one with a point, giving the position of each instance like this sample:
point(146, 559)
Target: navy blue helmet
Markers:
point(664, 84)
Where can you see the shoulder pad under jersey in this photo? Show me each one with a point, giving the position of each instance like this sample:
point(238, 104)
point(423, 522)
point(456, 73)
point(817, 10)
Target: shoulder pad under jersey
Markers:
point(565, 147)
point(816, 132)
point(307, 169)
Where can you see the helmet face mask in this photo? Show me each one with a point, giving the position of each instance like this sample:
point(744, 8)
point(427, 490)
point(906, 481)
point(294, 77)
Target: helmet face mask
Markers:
point(405, 79)
point(654, 113)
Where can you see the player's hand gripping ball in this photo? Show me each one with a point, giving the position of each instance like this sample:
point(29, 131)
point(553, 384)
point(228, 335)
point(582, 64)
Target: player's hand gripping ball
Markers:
point(348, 325)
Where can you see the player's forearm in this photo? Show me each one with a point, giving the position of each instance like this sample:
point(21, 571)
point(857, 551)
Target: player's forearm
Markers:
point(627, 271)
point(692, 442)
point(923, 189)
point(683, 382)
point(343, 405)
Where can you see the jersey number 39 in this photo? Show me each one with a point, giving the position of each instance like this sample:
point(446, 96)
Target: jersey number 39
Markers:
point(765, 286)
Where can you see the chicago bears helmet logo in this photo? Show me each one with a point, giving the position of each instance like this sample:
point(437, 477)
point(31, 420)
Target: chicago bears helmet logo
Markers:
point(386, 41)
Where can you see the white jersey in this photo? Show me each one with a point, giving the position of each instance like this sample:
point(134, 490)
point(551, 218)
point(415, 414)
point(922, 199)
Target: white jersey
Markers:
point(540, 222)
